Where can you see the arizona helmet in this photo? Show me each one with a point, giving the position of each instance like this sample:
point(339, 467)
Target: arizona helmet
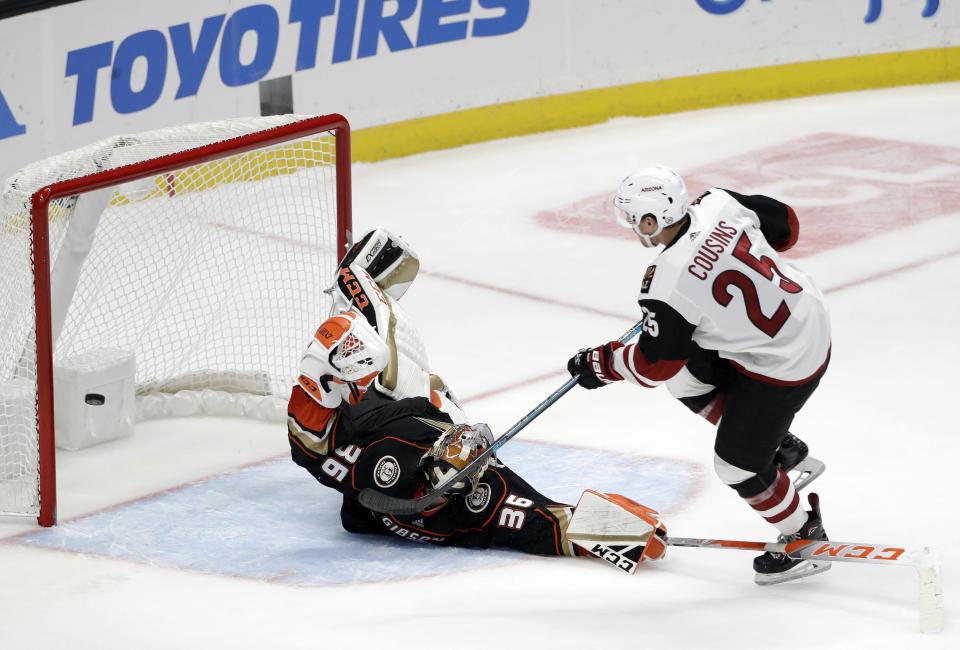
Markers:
point(658, 191)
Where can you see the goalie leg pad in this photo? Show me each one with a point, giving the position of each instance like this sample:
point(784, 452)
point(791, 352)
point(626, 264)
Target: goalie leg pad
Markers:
point(407, 372)
point(388, 259)
point(617, 529)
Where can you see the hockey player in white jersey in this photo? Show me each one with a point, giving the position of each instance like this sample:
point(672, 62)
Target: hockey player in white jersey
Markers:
point(736, 333)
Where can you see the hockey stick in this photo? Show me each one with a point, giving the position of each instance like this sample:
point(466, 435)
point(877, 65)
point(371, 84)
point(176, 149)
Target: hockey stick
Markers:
point(379, 502)
point(923, 560)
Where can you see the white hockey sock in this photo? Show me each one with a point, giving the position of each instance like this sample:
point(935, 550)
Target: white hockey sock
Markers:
point(779, 504)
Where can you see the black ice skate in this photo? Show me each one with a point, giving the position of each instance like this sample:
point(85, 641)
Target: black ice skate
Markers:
point(774, 568)
point(794, 456)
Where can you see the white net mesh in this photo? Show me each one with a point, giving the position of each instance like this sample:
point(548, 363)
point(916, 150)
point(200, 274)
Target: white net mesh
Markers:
point(211, 275)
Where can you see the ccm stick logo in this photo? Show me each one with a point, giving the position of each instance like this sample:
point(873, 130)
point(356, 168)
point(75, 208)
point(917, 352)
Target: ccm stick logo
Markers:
point(858, 552)
point(614, 558)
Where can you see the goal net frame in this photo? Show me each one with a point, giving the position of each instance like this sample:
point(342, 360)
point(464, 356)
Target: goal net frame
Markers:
point(40, 202)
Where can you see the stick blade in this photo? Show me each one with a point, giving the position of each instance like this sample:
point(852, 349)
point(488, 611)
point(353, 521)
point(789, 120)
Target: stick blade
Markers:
point(386, 504)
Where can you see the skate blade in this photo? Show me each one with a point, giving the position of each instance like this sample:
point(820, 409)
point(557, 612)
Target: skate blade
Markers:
point(802, 570)
point(806, 471)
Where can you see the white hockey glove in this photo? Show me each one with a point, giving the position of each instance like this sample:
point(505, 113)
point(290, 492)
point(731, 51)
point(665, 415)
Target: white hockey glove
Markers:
point(342, 360)
point(458, 446)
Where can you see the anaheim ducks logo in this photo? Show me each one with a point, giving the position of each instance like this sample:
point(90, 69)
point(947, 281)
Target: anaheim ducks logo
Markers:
point(478, 499)
point(386, 472)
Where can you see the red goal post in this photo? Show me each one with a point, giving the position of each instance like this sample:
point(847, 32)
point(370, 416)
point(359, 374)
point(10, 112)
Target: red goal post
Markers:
point(202, 251)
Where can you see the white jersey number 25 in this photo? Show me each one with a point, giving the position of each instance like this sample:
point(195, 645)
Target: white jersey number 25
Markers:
point(766, 267)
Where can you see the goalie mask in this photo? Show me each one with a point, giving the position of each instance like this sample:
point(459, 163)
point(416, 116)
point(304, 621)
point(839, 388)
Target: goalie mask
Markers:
point(457, 447)
point(656, 191)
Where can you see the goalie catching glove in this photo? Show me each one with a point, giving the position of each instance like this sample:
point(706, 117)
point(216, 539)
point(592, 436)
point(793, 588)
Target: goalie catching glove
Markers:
point(593, 367)
point(457, 447)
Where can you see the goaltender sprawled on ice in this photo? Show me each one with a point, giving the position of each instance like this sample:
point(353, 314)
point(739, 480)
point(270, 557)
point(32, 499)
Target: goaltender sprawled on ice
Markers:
point(367, 413)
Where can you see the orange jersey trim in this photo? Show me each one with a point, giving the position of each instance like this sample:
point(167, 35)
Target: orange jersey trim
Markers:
point(308, 412)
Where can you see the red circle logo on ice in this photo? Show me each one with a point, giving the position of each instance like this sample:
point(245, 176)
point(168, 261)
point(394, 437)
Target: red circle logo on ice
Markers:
point(843, 188)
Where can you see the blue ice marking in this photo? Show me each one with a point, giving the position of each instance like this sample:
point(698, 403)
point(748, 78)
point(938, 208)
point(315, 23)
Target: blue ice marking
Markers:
point(273, 522)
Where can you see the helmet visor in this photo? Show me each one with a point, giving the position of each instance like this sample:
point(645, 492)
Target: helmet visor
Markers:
point(625, 219)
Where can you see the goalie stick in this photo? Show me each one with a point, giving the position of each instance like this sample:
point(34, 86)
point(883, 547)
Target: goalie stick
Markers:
point(923, 560)
point(384, 503)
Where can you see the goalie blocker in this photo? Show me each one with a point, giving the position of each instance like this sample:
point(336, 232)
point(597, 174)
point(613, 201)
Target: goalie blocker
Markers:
point(617, 529)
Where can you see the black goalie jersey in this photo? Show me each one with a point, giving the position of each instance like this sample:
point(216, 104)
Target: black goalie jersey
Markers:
point(379, 443)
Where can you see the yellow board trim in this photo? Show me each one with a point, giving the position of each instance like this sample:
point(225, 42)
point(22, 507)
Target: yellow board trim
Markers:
point(655, 98)
point(251, 166)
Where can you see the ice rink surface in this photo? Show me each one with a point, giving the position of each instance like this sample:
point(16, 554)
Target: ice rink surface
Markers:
point(520, 268)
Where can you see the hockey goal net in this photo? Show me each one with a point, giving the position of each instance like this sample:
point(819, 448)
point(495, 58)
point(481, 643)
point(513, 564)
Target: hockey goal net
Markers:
point(202, 251)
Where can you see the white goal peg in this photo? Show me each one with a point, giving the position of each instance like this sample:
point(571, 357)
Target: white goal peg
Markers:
point(931, 592)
